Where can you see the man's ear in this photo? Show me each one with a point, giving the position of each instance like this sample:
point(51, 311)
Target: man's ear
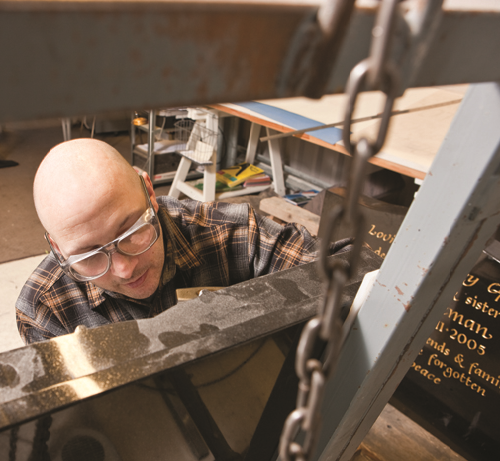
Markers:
point(150, 189)
point(54, 244)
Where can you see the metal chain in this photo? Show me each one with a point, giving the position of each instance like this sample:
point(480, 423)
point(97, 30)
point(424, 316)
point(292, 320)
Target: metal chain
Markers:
point(14, 435)
point(325, 330)
point(40, 449)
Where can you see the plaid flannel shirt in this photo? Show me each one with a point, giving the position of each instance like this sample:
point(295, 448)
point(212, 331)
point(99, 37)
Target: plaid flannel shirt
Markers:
point(206, 244)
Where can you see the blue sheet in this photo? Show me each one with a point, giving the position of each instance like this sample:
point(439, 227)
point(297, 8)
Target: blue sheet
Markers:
point(297, 122)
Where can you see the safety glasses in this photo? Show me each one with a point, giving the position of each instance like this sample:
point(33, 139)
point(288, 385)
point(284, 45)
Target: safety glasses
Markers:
point(95, 263)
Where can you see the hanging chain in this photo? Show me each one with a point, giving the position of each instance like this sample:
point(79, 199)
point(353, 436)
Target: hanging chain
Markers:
point(14, 436)
point(324, 331)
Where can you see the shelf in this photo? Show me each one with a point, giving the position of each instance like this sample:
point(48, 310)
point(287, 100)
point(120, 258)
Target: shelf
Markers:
point(167, 146)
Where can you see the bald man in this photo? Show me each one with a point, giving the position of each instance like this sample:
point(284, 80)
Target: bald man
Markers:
point(119, 253)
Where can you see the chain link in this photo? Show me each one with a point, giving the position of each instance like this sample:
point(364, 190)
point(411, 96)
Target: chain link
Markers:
point(324, 332)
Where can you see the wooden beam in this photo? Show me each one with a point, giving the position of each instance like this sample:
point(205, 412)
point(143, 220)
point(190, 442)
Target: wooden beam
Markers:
point(287, 212)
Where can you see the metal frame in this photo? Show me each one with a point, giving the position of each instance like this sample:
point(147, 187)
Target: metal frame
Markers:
point(445, 230)
point(89, 57)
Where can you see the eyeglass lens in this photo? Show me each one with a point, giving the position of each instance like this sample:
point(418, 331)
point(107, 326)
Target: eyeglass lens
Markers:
point(134, 244)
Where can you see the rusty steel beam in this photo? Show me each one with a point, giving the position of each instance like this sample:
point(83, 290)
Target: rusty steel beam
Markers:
point(72, 58)
point(66, 58)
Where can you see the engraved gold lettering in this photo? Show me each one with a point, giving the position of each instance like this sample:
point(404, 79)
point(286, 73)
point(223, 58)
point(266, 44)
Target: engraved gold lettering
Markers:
point(477, 328)
point(425, 373)
point(495, 289)
point(471, 343)
point(483, 331)
point(460, 360)
point(381, 235)
point(483, 307)
point(469, 324)
point(470, 280)
point(379, 252)
point(474, 369)
point(493, 313)
point(439, 347)
point(455, 316)
point(472, 366)
point(440, 326)
point(464, 379)
point(486, 376)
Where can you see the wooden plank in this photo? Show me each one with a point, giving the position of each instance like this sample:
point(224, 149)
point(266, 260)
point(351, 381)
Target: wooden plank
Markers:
point(394, 437)
point(287, 212)
point(413, 140)
point(390, 165)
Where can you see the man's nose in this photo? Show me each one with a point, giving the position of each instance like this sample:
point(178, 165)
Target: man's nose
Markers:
point(123, 266)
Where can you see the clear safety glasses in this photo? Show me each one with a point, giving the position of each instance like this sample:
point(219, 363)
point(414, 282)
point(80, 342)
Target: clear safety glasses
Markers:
point(95, 263)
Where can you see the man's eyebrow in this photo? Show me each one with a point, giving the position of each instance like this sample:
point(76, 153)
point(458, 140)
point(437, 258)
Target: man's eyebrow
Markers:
point(121, 229)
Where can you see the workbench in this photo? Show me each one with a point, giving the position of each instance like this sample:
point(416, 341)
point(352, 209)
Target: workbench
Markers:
point(423, 116)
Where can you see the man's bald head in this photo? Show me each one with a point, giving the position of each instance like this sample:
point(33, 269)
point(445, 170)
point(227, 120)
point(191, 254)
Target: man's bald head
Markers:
point(86, 196)
point(79, 176)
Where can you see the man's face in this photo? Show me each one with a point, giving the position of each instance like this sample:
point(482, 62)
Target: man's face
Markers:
point(99, 220)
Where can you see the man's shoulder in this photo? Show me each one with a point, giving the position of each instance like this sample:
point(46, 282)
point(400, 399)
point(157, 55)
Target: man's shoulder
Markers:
point(48, 285)
point(205, 214)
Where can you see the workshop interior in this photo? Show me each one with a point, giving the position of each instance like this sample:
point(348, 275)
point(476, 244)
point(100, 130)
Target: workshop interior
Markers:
point(371, 119)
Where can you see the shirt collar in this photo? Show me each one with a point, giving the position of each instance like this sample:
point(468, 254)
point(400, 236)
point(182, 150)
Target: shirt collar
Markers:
point(183, 255)
point(95, 295)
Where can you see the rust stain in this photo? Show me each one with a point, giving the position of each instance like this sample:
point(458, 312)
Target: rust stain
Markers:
point(407, 307)
point(424, 270)
point(474, 238)
point(381, 284)
point(399, 291)
point(135, 55)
